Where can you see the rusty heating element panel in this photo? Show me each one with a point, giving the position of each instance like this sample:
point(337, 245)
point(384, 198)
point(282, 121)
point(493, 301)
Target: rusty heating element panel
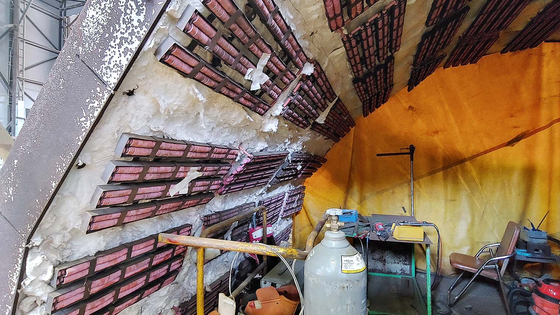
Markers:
point(147, 147)
point(104, 218)
point(442, 9)
point(126, 172)
point(374, 88)
point(482, 34)
point(542, 26)
point(271, 17)
point(70, 272)
point(200, 29)
point(369, 49)
point(341, 12)
point(298, 165)
point(120, 194)
point(116, 278)
point(194, 67)
point(337, 123)
point(220, 285)
point(429, 53)
point(235, 20)
point(282, 205)
point(253, 171)
point(310, 96)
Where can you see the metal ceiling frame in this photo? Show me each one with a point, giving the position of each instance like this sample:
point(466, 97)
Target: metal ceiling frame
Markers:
point(15, 81)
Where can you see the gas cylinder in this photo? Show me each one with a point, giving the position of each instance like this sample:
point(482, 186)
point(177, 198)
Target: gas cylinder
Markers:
point(335, 276)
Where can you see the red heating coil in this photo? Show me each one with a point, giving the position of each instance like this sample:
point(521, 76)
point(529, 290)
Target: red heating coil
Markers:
point(322, 81)
point(381, 23)
point(204, 32)
point(471, 50)
point(72, 271)
point(284, 235)
point(105, 301)
point(253, 171)
point(397, 11)
point(124, 171)
point(441, 9)
point(352, 51)
point(355, 8)
point(271, 17)
point(495, 16)
point(213, 218)
point(131, 145)
point(421, 72)
point(105, 218)
point(333, 10)
point(295, 118)
point(337, 123)
point(69, 296)
point(111, 195)
point(282, 205)
point(313, 92)
point(439, 37)
point(542, 26)
point(246, 33)
point(188, 63)
point(298, 165)
point(368, 45)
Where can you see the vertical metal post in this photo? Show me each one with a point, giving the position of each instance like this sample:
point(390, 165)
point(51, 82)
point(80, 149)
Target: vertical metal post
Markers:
point(14, 66)
point(428, 282)
point(411, 149)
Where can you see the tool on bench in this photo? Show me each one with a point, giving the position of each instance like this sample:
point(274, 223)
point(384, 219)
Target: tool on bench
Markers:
point(380, 230)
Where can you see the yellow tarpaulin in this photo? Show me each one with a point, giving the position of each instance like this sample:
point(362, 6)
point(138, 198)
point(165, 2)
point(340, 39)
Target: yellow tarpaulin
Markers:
point(488, 151)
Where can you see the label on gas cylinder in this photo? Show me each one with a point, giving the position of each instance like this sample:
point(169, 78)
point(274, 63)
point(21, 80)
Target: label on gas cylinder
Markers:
point(353, 263)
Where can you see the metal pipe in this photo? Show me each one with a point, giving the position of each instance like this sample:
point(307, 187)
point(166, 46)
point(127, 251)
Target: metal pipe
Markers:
point(252, 248)
point(265, 239)
point(248, 280)
point(313, 235)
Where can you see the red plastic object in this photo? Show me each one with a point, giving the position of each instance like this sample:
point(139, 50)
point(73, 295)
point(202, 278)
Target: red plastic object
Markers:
point(547, 297)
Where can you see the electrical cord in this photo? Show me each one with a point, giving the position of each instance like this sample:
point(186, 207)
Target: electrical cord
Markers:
point(231, 271)
point(291, 272)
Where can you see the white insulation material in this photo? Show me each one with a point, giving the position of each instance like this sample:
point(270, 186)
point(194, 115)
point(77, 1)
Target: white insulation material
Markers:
point(166, 105)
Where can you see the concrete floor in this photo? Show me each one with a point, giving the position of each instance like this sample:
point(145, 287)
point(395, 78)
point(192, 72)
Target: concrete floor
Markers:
point(396, 296)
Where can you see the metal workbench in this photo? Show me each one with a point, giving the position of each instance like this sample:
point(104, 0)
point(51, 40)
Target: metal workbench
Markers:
point(351, 231)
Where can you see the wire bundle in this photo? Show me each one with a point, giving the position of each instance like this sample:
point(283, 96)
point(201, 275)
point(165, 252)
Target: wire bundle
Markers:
point(495, 16)
point(542, 26)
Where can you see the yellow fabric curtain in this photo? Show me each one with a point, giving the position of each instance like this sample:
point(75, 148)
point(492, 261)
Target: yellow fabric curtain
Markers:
point(488, 151)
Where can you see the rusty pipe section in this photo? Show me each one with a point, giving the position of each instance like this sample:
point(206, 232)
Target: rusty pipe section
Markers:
point(252, 248)
point(313, 235)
